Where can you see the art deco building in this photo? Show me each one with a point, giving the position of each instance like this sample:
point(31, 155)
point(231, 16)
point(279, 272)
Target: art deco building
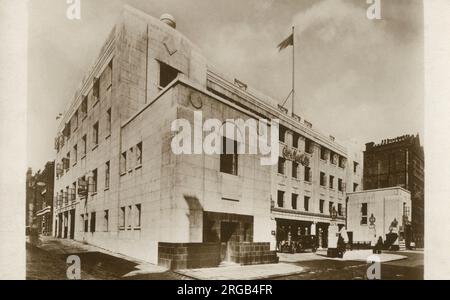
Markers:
point(399, 162)
point(119, 185)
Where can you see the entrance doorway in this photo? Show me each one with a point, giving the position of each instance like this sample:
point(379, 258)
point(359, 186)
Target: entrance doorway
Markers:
point(227, 235)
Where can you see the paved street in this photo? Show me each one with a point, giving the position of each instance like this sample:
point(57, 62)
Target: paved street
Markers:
point(48, 261)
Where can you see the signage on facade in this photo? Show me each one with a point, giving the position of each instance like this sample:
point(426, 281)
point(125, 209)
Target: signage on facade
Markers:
point(295, 155)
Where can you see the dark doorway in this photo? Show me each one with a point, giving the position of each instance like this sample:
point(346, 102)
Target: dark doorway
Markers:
point(227, 235)
point(72, 224)
point(66, 225)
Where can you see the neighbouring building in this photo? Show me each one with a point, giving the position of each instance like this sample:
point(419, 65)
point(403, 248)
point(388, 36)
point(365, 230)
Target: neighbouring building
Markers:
point(119, 185)
point(399, 162)
point(380, 213)
point(39, 199)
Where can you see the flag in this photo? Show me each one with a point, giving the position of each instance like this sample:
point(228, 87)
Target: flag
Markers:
point(289, 41)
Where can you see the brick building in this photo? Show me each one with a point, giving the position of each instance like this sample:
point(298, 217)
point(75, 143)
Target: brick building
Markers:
point(120, 186)
point(39, 199)
point(399, 162)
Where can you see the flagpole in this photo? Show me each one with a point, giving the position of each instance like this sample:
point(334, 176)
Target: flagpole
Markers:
point(293, 70)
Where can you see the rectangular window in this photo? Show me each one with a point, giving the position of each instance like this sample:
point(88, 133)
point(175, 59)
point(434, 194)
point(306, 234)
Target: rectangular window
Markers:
point(93, 182)
point(95, 134)
point(323, 153)
point(308, 146)
point(108, 122)
point(306, 203)
point(295, 138)
point(323, 180)
point(106, 220)
point(340, 185)
point(364, 214)
point(86, 222)
point(96, 90)
point(93, 222)
point(341, 162)
point(330, 206)
point(282, 134)
point(294, 201)
point(229, 162)
point(75, 120)
point(321, 206)
point(137, 217)
point(139, 154)
point(123, 163)
point(333, 158)
point(122, 218)
point(129, 216)
point(294, 169)
point(73, 192)
point(280, 199)
point(107, 175)
point(340, 209)
point(308, 174)
point(331, 182)
point(84, 108)
point(355, 187)
point(83, 145)
point(167, 74)
point(281, 165)
point(355, 166)
point(75, 154)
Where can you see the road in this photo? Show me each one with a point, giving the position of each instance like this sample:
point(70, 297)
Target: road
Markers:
point(42, 264)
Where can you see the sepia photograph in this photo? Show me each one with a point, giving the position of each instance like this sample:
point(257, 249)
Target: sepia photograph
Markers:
point(225, 140)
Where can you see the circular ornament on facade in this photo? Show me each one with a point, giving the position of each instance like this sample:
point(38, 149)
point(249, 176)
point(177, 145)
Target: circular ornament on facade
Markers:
point(196, 101)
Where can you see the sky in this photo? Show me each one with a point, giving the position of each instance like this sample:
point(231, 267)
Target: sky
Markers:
point(357, 79)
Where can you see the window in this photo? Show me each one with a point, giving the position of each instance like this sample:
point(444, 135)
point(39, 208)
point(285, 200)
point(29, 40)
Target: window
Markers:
point(107, 175)
point(282, 134)
point(323, 153)
point(75, 154)
point(308, 146)
point(131, 160)
point(321, 205)
point(93, 182)
point(340, 213)
point(84, 107)
point(323, 180)
point(295, 138)
point(129, 218)
point(355, 187)
point(73, 192)
point(281, 165)
point(229, 162)
point(167, 74)
point(280, 199)
point(123, 163)
point(355, 166)
point(364, 214)
point(340, 185)
point(95, 134)
point(331, 182)
point(306, 203)
point(108, 122)
point(93, 222)
point(137, 217)
point(294, 201)
point(106, 220)
point(330, 206)
point(294, 169)
point(308, 174)
point(86, 222)
point(75, 120)
point(139, 154)
point(122, 218)
point(333, 158)
point(96, 90)
point(341, 162)
point(83, 145)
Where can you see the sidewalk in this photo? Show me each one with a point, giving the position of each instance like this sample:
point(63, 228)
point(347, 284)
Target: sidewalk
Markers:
point(252, 272)
point(355, 255)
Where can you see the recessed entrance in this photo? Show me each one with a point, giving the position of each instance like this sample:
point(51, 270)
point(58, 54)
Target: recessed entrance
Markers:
point(228, 234)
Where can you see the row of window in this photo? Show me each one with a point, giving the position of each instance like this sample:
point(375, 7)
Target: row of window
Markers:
point(131, 159)
point(306, 202)
point(71, 157)
point(323, 182)
point(97, 93)
point(129, 218)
